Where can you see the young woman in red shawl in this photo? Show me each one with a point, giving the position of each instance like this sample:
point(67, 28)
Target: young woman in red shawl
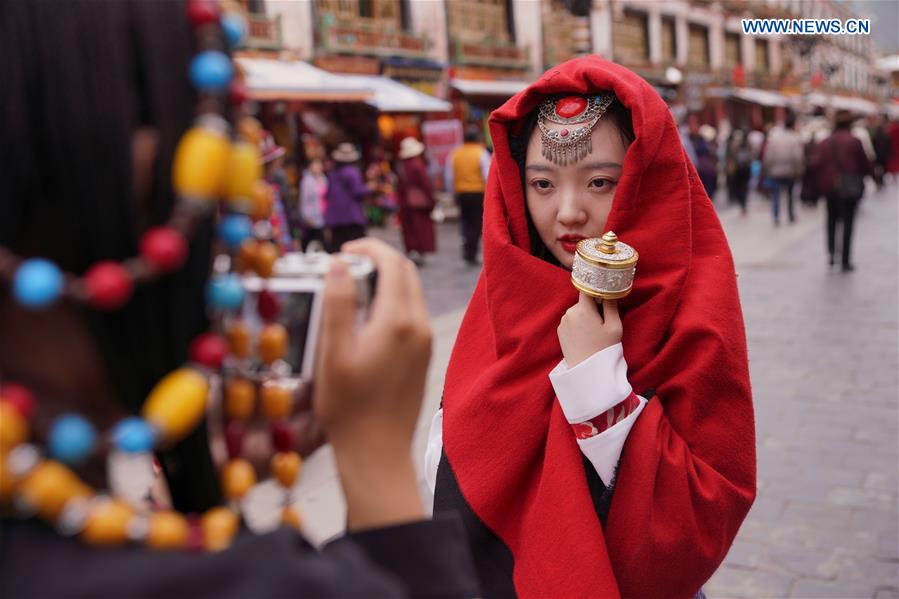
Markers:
point(596, 453)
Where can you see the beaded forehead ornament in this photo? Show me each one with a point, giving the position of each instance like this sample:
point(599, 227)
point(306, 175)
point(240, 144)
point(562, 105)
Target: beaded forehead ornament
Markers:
point(570, 145)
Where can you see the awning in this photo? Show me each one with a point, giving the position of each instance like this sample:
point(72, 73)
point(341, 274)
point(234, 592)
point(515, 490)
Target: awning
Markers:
point(856, 105)
point(393, 96)
point(489, 87)
point(762, 97)
point(268, 79)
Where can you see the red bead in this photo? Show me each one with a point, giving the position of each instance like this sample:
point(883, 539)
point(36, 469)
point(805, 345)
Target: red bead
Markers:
point(20, 397)
point(571, 106)
point(195, 535)
point(237, 93)
point(564, 132)
point(201, 12)
point(234, 435)
point(282, 436)
point(108, 285)
point(164, 248)
point(209, 350)
point(268, 305)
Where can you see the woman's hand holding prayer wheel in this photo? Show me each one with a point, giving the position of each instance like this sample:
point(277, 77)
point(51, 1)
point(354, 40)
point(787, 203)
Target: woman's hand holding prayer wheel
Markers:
point(583, 331)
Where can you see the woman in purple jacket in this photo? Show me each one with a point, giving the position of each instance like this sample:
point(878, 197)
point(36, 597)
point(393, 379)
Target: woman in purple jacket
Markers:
point(346, 192)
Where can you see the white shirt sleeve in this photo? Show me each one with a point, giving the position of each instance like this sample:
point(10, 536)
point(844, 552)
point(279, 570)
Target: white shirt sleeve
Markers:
point(448, 174)
point(434, 449)
point(589, 389)
point(485, 164)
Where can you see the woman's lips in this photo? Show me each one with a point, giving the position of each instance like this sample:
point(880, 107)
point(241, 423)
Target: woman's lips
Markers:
point(569, 242)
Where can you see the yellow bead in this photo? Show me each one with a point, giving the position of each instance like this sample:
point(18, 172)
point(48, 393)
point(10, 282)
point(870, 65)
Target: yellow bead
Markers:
point(250, 129)
point(177, 403)
point(200, 164)
point(219, 525)
point(272, 343)
point(240, 397)
point(286, 467)
point(276, 402)
point(168, 530)
point(107, 523)
point(263, 201)
point(13, 428)
point(238, 477)
point(49, 486)
point(8, 481)
point(291, 517)
point(244, 170)
point(264, 263)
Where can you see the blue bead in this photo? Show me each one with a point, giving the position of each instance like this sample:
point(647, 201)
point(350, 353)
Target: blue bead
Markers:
point(234, 229)
point(134, 435)
point(235, 28)
point(225, 292)
point(211, 71)
point(37, 283)
point(72, 438)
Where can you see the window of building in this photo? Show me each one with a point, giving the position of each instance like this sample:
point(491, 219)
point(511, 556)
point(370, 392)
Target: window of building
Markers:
point(761, 56)
point(698, 47)
point(479, 20)
point(630, 38)
point(669, 40)
point(566, 32)
point(385, 13)
point(732, 51)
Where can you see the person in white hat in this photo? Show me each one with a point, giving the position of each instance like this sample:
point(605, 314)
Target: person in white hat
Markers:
point(346, 192)
point(415, 197)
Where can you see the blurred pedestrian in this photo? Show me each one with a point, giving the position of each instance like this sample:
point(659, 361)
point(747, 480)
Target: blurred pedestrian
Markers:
point(893, 161)
point(272, 157)
point(815, 130)
point(738, 168)
point(880, 139)
point(842, 165)
point(783, 164)
point(344, 216)
point(382, 181)
point(313, 204)
point(706, 163)
point(466, 176)
point(416, 201)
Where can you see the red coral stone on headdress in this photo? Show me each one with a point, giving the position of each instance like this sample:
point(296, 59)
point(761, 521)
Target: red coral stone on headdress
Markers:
point(571, 106)
point(564, 132)
point(108, 285)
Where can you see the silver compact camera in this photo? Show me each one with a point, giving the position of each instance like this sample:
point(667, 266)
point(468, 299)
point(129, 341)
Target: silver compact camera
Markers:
point(298, 284)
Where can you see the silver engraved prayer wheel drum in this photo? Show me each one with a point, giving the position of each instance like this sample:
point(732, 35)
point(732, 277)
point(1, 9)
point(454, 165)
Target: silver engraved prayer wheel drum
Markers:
point(604, 267)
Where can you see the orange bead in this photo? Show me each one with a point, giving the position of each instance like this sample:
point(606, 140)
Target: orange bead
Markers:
point(13, 428)
point(219, 525)
point(49, 486)
point(244, 169)
point(266, 255)
point(276, 402)
point(250, 129)
point(8, 481)
point(239, 340)
point(291, 517)
point(286, 467)
point(177, 403)
point(168, 530)
point(263, 201)
point(107, 523)
point(247, 255)
point(240, 399)
point(200, 163)
point(272, 343)
point(238, 477)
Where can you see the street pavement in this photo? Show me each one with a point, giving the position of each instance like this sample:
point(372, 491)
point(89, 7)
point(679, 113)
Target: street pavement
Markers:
point(823, 362)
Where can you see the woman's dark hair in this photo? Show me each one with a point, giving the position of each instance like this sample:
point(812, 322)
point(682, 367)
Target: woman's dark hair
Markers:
point(518, 144)
point(79, 78)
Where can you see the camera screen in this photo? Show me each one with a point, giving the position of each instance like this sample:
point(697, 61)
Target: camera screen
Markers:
point(296, 316)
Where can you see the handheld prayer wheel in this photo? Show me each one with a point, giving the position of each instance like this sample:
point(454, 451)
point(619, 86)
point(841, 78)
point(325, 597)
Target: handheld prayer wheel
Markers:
point(604, 267)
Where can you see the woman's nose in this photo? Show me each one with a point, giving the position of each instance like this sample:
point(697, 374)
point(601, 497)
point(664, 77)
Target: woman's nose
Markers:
point(571, 210)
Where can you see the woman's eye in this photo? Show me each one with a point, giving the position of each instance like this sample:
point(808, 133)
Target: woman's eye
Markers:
point(541, 184)
point(600, 183)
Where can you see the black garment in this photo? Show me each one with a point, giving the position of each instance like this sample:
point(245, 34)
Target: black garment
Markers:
point(422, 559)
point(343, 233)
point(471, 207)
point(738, 187)
point(840, 211)
point(312, 234)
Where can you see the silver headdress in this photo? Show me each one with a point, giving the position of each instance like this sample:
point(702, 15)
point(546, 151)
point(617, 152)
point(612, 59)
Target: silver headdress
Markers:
point(569, 145)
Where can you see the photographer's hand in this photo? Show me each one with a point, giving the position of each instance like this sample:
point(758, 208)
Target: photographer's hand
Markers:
point(370, 383)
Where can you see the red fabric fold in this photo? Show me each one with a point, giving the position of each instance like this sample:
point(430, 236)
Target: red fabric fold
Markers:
point(687, 473)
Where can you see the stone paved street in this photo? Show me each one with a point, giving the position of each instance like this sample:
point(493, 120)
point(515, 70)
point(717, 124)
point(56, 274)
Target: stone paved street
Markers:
point(823, 360)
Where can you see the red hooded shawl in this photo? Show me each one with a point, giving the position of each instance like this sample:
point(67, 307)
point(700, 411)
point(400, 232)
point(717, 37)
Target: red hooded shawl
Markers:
point(687, 473)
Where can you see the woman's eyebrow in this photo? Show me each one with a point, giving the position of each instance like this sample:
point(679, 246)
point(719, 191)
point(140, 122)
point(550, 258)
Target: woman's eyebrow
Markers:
point(545, 168)
point(598, 165)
